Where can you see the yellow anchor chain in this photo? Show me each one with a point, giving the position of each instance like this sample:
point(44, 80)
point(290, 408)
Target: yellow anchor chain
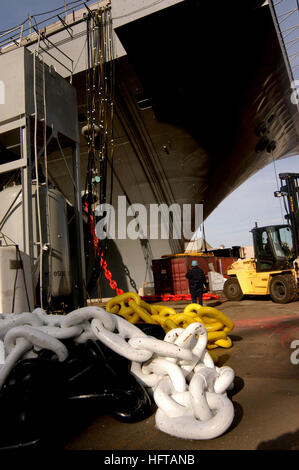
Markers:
point(135, 310)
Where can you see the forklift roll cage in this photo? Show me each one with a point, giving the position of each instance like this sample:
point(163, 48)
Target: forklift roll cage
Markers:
point(273, 248)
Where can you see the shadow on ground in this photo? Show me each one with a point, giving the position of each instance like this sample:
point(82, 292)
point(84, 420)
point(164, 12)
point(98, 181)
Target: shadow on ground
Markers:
point(238, 386)
point(288, 441)
point(235, 338)
point(237, 417)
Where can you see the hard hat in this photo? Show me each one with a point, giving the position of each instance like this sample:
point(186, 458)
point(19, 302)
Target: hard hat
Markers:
point(194, 262)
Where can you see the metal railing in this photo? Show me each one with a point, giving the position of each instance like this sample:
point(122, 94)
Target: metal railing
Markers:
point(38, 22)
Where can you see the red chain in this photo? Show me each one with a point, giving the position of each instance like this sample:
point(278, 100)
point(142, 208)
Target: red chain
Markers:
point(108, 274)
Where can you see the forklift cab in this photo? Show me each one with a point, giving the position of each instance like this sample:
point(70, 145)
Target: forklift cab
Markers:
point(273, 248)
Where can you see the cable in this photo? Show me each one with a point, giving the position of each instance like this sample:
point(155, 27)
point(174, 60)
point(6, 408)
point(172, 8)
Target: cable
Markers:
point(100, 99)
point(37, 179)
point(7, 213)
point(28, 18)
point(106, 111)
point(60, 8)
point(139, 10)
point(15, 283)
point(19, 260)
point(25, 282)
point(5, 237)
point(48, 212)
point(79, 2)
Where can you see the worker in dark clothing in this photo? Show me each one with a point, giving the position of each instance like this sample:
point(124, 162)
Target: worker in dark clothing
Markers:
point(197, 281)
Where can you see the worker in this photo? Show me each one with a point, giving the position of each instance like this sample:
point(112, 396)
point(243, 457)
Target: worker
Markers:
point(197, 281)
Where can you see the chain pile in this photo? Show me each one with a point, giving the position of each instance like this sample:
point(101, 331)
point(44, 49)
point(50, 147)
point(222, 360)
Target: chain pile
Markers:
point(130, 306)
point(189, 391)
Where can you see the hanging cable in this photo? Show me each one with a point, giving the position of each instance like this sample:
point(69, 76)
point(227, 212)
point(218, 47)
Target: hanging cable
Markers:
point(9, 210)
point(100, 101)
point(48, 212)
point(19, 265)
point(35, 58)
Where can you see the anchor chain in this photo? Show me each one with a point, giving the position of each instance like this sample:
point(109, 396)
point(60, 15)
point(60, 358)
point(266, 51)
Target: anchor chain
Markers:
point(178, 371)
point(130, 306)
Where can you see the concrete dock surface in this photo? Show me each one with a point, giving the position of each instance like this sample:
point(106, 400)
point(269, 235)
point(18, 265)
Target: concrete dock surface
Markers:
point(265, 395)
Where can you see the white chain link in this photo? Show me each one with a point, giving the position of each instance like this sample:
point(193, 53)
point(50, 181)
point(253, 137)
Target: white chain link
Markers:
point(188, 389)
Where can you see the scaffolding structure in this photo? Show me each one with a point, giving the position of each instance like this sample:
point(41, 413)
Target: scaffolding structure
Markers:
point(33, 122)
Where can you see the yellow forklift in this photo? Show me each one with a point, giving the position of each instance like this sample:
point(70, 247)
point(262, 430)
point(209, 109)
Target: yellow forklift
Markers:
point(274, 270)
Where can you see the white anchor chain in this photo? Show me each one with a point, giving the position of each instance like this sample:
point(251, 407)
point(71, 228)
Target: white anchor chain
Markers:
point(188, 389)
point(190, 394)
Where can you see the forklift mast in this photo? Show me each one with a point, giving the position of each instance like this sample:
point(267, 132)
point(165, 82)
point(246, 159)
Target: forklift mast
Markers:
point(289, 190)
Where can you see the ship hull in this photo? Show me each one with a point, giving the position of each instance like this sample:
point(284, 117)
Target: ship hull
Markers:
point(201, 105)
point(202, 102)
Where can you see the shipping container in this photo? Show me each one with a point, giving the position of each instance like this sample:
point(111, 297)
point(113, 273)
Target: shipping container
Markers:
point(170, 273)
point(178, 270)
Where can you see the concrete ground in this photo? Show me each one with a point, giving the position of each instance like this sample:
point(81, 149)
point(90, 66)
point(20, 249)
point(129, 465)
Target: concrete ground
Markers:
point(265, 397)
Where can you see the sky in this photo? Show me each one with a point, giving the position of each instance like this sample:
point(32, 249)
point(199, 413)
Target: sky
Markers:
point(13, 12)
point(232, 220)
point(253, 201)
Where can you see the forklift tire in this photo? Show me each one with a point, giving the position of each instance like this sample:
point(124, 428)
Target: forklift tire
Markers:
point(283, 288)
point(232, 289)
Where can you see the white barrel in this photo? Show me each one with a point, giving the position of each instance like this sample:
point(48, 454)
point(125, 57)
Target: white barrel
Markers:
point(58, 268)
point(56, 259)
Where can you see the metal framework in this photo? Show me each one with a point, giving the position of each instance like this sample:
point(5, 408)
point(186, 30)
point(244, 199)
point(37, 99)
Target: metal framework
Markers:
point(30, 154)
